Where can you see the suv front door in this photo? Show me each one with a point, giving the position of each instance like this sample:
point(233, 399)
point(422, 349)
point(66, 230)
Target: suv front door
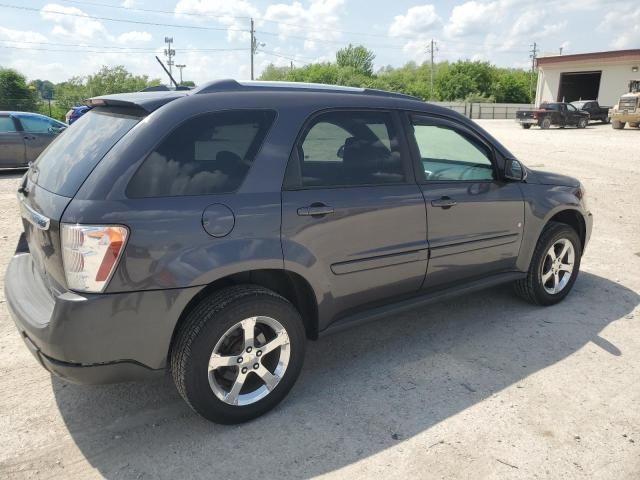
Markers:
point(353, 217)
point(474, 219)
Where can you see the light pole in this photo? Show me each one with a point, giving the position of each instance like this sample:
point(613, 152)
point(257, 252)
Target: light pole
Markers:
point(180, 67)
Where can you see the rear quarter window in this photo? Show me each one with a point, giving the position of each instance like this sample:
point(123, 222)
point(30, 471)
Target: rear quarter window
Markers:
point(207, 154)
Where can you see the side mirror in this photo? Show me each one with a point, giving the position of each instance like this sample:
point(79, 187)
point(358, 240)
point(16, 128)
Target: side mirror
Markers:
point(514, 170)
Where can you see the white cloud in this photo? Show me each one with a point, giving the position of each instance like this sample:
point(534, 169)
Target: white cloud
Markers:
point(128, 3)
point(418, 20)
point(624, 25)
point(234, 14)
point(134, 37)
point(470, 18)
point(72, 24)
point(8, 34)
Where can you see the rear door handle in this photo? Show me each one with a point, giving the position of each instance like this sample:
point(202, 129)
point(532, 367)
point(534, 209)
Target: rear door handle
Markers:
point(315, 210)
point(444, 202)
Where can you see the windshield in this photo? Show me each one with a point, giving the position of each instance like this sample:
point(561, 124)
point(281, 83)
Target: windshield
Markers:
point(578, 105)
point(69, 159)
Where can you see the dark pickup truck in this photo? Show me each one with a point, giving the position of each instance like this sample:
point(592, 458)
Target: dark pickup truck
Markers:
point(594, 109)
point(560, 114)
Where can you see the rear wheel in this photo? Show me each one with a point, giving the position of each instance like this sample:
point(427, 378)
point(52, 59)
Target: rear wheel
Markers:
point(634, 125)
point(617, 125)
point(554, 266)
point(546, 123)
point(238, 353)
point(526, 126)
point(606, 120)
point(582, 123)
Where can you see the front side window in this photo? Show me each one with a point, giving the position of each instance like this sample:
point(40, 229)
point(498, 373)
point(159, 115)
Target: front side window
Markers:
point(207, 154)
point(571, 108)
point(350, 148)
point(6, 125)
point(448, 154)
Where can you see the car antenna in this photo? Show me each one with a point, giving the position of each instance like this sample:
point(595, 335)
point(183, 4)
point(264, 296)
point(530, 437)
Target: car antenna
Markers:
point(167, 71)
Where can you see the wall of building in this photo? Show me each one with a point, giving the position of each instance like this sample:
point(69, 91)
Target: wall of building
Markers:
point(613, 83)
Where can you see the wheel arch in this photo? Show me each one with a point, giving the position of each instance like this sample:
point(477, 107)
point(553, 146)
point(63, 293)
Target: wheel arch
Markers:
point(290, 285)
point(573, 218)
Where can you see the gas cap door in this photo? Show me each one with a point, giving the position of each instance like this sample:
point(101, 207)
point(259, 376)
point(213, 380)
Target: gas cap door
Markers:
point(218, 220)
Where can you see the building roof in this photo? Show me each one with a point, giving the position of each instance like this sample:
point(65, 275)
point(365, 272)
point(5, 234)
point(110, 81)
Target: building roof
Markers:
point(612, 55)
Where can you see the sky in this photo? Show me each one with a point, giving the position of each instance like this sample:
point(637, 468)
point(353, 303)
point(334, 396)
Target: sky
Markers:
point(59, 39)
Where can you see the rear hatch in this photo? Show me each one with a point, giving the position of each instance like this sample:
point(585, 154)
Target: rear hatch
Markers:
point(55, 177)
point(526, 114)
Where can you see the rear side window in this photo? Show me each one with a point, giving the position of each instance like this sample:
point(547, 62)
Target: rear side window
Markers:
point(208, 154)
point(40, 125)
point(349, 148)
point(69, 159)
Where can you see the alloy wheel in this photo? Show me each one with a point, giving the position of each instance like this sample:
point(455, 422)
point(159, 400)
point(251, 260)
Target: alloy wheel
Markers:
point(557, 266)
point(249, 360)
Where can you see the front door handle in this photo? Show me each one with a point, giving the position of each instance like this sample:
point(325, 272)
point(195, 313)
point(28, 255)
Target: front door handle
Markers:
point(444, 202)
point(315, 210)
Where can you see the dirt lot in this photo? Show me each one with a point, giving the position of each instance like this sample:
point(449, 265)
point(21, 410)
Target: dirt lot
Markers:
point(485, 386)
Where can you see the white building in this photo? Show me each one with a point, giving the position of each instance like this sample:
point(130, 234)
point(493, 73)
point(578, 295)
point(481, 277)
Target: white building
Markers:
point(602, 76)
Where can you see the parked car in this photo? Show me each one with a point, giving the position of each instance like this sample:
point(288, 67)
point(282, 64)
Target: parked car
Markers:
point(627, 110)
point(213, 232)
point(593, 108)
point(23, 136)
point(560, 114)
point(75, 113)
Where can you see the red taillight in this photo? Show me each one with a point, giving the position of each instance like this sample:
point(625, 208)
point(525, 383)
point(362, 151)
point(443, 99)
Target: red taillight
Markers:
point(535, 116)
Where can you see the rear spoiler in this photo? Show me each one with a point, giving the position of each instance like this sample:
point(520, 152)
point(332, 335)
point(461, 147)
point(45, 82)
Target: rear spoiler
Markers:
point(146, 101)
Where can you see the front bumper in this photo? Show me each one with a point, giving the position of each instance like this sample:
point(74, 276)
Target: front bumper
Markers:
point(93, 338)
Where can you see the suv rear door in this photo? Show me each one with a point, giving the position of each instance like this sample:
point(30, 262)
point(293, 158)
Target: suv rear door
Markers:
point(353, 218)
point(475, 220)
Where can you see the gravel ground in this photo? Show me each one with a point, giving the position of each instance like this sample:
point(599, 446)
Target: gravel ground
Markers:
point(484, 386)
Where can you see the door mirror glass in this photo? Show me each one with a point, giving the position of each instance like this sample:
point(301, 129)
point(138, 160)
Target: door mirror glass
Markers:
point(514, 170)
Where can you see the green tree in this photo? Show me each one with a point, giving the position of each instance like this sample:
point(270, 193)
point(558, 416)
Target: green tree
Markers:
point(116, 80)
point(511, 86)
point(464, 79)
point(15, 94)
point(274, 73)
point(45, 88)
point(357, 57)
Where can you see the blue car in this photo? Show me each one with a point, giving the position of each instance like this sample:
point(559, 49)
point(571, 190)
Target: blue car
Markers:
point(75, 113)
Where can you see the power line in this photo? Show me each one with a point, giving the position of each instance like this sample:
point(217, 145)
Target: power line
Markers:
point(109, 19)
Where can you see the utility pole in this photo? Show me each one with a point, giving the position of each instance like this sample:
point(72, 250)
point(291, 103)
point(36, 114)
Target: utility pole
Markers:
point(560, 50)
point(291, 66)
point(253, 46)
point(432, 48)
point(180, 67)
point(533, 56)
point(169, 52)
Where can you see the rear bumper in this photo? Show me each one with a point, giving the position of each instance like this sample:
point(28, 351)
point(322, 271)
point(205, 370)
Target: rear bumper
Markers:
point(98, 338)
point(528, 121)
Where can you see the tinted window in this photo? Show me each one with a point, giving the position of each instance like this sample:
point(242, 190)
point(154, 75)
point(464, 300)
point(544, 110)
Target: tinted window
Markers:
point(551, 106)
point(350, 148)
point(571, 108)
point(40, 125)
point(208, 154)
point(69, 159)
point(449, 155)
point(6, 125)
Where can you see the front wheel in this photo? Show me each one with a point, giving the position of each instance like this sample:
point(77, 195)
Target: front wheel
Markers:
point(554, 266)
point(617, 125)
point(633, 125)
point(582, 123)
point(238, 353)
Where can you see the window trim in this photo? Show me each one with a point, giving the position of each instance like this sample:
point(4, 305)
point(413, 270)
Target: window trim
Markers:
point(179, 125)
point(463, 130)
point(293, 182)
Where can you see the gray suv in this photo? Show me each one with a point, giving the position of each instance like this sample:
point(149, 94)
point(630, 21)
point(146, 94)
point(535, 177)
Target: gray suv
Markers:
point(212, 232)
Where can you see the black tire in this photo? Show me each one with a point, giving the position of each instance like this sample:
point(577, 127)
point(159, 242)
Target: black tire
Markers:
point(606, 120)
point(526, 126)
point(582, 123)
point(633, 125)
point(545, 123)
point(617, 125)
point(531, 288)
point(206, 324)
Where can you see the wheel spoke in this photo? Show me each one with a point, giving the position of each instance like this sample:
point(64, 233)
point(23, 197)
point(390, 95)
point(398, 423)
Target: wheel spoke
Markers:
point(566, 267)
point(217, 361)
point(556, 282)
point(552, 253)
point(249, 327)
point(269, 379)
point(547, 276)
point(281, 339)
point(234, 393)
point(564, 251)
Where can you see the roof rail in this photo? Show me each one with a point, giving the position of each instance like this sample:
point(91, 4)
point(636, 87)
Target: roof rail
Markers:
point(229, 85)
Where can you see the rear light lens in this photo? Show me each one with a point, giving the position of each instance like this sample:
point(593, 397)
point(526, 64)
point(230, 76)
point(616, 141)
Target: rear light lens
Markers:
point(535, 116)
point(90, 254)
